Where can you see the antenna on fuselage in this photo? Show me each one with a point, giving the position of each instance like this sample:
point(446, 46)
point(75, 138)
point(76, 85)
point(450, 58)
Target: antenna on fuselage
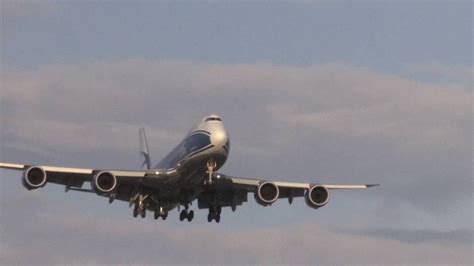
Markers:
point(144, 152)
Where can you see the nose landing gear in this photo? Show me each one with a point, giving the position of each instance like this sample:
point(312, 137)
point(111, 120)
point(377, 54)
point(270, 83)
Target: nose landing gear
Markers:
point(211, 166)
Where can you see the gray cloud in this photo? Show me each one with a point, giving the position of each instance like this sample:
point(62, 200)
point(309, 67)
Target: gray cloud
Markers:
point(331, 123)
point(16, 9)
point(382, 128)
point(436, 72)
point(453, 237)
point(59, 235)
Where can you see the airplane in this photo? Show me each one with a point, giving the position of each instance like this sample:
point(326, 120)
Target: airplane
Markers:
point(188, 173)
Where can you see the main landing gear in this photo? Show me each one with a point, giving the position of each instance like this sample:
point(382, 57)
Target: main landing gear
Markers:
point(139, 209)
point(139, 206)
point(214, 214)
point(186, 214)
point(161, 212)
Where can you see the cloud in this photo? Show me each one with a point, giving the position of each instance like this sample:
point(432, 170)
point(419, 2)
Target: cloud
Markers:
point(58, 236)
point(17, 9)
point(436, 72)
point(453, 237)
point(384, 128)
point(333, 123)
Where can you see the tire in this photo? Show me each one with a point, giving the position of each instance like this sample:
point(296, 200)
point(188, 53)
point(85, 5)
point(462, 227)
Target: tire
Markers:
point(190, 216)
point(209, 217)
point(182, 215)
point(218, 218)
point(143, 214)
point(135, 212)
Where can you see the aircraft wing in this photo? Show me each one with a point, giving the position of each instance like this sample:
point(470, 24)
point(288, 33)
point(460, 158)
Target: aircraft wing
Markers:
point(74, 178)
point(252, 183)
point(266, 191)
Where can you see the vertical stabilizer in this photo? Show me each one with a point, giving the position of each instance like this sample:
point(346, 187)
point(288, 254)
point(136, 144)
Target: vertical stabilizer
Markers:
point(144, 152)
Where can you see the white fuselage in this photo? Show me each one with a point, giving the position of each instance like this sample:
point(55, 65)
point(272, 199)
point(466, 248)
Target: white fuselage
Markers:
point(206, 141)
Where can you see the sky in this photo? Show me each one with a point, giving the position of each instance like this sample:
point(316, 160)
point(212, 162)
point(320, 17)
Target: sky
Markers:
point(325, 92)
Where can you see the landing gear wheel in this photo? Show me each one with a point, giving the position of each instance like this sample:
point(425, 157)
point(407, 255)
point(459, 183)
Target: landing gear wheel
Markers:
point(160, 212)
point(183, 215)
point(214, 214)
point(141, 208)
point(139, 203)
point(190, 216)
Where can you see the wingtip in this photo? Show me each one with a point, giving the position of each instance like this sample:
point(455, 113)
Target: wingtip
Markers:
point(372, 185)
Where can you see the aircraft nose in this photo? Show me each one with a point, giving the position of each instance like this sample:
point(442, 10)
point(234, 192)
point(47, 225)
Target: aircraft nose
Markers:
point(219, 138)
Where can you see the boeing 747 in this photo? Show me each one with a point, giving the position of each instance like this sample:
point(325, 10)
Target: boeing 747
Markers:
point(188, 173)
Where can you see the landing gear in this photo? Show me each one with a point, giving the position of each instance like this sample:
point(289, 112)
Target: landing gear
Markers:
point(139, 209)
point(211, 166)
point(139, 205)
point(185, 215)
point(160, 212)
point(214, 214)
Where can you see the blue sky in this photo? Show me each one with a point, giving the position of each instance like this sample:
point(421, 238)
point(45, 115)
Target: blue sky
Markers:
point(381, 35)
point(376, 92)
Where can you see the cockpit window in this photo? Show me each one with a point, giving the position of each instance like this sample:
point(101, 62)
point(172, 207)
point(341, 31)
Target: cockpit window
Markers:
point(193, 143)
point(213, 119)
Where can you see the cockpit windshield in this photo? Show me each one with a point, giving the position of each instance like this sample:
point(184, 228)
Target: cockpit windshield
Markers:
point(188, 146)
point(212, 119)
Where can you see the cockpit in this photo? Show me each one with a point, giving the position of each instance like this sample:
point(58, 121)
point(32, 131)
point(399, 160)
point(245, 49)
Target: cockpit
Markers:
point(212, 118)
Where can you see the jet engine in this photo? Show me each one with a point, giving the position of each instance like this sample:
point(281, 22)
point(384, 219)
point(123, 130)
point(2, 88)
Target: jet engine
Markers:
point(34, 177)
point(317, 196)
point(267, 193)
point(104, 183)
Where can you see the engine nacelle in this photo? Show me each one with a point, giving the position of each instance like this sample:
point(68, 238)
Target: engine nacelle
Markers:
point(317, 196)
point(267, 193)
point(34, 177)
point(104, 183)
